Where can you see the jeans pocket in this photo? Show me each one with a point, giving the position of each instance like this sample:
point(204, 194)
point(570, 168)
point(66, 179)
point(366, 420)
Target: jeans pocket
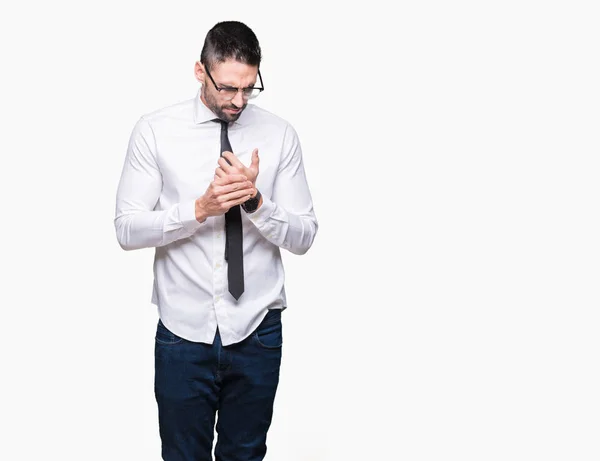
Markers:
point(269, 333)
point(165, 336)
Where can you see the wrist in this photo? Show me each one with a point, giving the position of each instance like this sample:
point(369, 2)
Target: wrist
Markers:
point(253, 203)
point(199, 210)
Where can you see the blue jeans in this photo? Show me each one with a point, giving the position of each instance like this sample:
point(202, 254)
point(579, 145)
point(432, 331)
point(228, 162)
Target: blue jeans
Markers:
point(194, 380)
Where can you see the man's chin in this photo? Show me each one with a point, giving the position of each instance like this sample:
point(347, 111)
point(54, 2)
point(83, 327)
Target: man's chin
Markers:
point(232, 114)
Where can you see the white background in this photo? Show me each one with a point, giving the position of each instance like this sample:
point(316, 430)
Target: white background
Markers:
point(449, 306)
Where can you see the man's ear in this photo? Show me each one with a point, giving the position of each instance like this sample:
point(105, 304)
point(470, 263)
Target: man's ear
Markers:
point(199, 72)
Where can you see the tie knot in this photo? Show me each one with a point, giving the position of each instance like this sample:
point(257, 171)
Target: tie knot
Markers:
point(223, 123)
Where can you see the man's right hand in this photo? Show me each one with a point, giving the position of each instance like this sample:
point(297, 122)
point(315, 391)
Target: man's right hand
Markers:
point(222, 194)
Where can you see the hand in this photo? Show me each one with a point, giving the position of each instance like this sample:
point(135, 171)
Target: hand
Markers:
point(238, 167)
point(222, 194)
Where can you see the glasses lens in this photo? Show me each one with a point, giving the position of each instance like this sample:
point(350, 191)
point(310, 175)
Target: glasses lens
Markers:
point(248, 93)
point(251, 93)
point(228, 93)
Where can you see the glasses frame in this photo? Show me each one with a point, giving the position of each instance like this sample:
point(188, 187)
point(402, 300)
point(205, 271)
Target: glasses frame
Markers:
point(261, 89)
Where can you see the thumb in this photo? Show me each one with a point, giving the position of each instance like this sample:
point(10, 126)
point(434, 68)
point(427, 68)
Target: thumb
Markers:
point(255, 158)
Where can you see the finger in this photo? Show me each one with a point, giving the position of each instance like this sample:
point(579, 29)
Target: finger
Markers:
point(236, 177)
point(219, 173)
point(239, 201)
point(255, 159)
point(224, 154)
point(235, 195)
point(222, 188)
point(239, 185)
point(225, 178)
point(233, 160)
point(227, 168)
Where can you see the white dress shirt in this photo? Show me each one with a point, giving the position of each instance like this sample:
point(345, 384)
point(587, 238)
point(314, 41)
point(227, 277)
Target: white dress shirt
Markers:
point(170, 162)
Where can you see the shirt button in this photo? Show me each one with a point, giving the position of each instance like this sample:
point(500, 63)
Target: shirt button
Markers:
point(218, 266)
point(217, 299)
point(219, 235)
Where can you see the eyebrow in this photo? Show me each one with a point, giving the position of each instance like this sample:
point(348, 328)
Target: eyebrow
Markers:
point(223, 85)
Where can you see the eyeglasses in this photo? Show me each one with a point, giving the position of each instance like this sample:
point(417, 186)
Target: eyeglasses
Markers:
point(230, 92)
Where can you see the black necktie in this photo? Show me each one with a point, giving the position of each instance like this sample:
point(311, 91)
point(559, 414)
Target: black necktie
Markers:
point(233, 234)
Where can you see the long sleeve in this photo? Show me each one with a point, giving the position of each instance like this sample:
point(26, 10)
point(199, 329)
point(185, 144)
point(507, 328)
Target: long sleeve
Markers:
point(287, 219)
point(137, 224)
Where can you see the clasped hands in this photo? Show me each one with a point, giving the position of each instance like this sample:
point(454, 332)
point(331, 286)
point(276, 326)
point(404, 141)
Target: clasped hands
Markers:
point(233, 184)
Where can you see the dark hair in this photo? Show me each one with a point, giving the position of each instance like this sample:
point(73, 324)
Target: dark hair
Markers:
point(230, 39)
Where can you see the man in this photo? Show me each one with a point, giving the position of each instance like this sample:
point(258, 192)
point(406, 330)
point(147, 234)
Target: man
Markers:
point(217, 186)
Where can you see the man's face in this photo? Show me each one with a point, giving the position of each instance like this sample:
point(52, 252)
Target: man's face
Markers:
point(228, 74)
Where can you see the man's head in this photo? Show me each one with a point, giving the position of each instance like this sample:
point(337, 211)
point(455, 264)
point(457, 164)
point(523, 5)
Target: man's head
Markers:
point(230, 59)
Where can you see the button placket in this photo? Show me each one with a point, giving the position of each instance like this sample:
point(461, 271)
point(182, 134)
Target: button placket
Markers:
point(219, 267)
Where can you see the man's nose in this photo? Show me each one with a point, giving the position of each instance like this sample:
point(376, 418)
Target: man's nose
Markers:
point(238, 99)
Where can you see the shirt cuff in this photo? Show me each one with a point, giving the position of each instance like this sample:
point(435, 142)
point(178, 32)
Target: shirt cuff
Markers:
point(187, 216)
point(262, 215)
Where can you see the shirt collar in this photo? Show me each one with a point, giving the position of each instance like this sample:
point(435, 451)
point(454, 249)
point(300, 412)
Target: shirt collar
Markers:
point(203, 114)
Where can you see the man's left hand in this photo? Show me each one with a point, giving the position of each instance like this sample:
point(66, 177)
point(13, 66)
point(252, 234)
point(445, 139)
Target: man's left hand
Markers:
point(238, 167)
